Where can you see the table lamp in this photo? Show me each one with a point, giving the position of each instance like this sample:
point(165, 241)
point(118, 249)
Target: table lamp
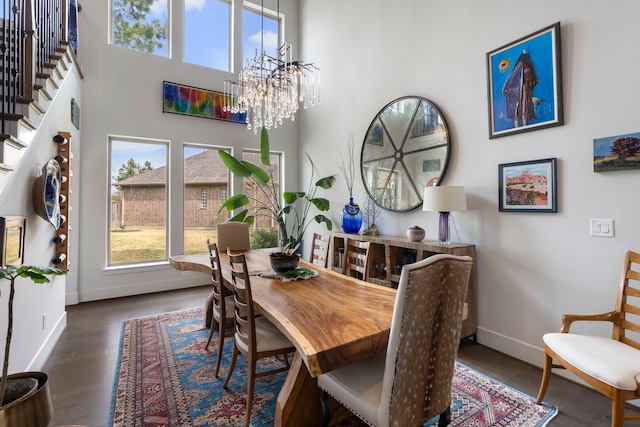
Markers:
point(444, 200)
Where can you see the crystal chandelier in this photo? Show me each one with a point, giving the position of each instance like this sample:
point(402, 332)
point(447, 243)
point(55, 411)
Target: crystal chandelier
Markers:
point(270, 89)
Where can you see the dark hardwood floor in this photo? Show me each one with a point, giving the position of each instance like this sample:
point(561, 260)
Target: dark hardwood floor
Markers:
point(82, 366)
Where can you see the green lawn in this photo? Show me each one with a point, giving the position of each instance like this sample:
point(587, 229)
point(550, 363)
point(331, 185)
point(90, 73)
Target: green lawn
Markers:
point(148, 244)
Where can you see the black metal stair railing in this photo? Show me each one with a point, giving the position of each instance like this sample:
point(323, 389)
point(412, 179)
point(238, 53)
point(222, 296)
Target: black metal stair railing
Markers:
point(33, 31)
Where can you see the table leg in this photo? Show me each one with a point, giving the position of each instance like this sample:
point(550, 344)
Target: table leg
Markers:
point(299, 399)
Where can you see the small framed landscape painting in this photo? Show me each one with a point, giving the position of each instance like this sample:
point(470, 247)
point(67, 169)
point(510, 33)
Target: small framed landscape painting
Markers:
point(524, 84)
point(616, 153)
point(528, 186)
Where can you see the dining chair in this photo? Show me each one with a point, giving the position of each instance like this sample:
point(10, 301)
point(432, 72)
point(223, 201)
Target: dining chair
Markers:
point(356, 259)
point(410, 382)
point(320, 250)
point(255, 336)
point(611, 365)
point(222, 305)
point(233, 235)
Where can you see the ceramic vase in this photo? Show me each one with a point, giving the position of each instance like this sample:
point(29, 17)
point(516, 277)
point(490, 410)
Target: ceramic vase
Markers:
point(351, 217)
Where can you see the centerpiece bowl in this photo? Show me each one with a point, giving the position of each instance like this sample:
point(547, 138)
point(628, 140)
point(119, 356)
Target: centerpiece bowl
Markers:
point(281, 261)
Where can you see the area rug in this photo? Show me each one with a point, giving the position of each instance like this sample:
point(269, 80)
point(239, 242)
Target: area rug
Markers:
point(165, 378)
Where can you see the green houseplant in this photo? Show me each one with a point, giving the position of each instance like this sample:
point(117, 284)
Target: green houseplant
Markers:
point(34, 408)
point(290, 211)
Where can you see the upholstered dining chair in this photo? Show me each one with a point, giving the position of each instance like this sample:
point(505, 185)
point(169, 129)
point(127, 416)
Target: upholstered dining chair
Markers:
point(356, 259)
point(233, 235)
point(410, 383)
point(320, 250)
point(611, 365)
point(222, 305)
point(255, 336)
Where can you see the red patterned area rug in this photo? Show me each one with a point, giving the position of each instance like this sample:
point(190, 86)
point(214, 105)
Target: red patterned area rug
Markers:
point(165, 378)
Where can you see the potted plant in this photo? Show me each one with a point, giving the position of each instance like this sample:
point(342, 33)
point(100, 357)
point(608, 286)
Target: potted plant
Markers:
point(24, 397)
point(290, 211)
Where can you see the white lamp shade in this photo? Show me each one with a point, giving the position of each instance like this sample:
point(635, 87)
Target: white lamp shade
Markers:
point(444, 199)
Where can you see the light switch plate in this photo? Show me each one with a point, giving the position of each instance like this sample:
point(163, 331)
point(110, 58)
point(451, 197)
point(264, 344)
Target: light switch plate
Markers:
point(602, 228)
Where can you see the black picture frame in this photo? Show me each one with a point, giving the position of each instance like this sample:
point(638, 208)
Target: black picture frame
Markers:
point(12, 232)
point(529, 186)
point(529, 67)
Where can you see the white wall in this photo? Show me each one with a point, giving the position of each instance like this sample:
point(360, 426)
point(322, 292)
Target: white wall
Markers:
point(122, 95)
point(532, 267)
point(32, 341)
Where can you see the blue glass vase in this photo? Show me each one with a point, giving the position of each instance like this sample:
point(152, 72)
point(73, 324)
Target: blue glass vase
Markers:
point(351, 217)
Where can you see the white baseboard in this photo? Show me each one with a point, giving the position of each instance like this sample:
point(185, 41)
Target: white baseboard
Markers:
point(143, 288)
point(37, 363)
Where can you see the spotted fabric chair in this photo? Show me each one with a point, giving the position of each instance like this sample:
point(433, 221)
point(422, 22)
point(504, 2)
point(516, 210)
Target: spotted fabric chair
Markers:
point(410, 383)
point(233, 235)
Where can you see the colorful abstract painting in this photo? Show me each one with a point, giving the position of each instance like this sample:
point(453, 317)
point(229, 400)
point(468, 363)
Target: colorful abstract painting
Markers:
point(193, 101)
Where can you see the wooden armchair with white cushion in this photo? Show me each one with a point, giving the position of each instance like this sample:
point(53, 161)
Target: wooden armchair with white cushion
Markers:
point(609, 365)
point(410, 383)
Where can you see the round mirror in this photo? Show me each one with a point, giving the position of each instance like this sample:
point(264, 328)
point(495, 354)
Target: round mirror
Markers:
point(405, 149)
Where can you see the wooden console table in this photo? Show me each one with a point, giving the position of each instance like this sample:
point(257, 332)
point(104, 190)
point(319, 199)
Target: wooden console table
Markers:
point(387, 255)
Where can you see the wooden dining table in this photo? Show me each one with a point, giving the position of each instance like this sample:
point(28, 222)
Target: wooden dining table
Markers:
point(331, 319)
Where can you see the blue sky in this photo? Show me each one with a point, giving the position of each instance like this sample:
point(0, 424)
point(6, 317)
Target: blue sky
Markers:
point(207, 32)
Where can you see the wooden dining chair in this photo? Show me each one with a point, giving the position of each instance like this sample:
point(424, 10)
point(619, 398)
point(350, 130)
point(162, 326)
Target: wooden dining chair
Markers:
point(410, 382)
point(255, 336)
point(233, 235)
point(356, 259)
point(611, 365)
point(222, 305)
point(320, 250)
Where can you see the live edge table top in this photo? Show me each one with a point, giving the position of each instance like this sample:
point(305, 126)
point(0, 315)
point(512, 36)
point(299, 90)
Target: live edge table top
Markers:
point(332, 319)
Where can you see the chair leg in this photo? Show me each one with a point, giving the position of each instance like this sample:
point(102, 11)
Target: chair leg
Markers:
point(326, 411)
point(221, 337)
point(445, 417)
point(617, 412)
point(231, 366)
point(211, 329)
point(546, 375)
point(251, 379)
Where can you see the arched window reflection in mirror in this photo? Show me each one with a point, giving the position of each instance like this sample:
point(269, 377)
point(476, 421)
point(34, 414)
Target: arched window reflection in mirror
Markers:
point(405, 148)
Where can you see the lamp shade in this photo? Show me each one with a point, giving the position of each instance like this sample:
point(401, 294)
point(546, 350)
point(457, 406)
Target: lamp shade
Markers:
point(444, 199)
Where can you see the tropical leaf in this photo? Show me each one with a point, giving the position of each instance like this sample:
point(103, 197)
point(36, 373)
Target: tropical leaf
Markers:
point(291, 196)
point(321, 218)
point(326, 182)
point(264, 147)
point(234, 202)
point(234, 165)
point(257, 173)
point(320, 203)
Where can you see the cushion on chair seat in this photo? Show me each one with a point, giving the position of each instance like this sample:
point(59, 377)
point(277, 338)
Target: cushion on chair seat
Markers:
point(363, 383)
point(268, 337)
point(228, 303)
point(610, 361)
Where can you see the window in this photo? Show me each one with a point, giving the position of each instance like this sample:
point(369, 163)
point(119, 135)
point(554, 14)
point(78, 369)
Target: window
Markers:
point(207, 33)
point(205, 176)
point(144, 26)
point(203, 198)
point(253, 192)
point(252, 32)
point(141, 25)
point(138, 220)
point(223, 194)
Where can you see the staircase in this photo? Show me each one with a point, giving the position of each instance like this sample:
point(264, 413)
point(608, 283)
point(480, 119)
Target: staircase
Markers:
point(36, 58)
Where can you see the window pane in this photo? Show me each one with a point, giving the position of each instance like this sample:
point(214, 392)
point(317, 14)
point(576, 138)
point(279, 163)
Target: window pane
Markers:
point(205, 180)
point(207, 33)
point(251, 34)
point(138, 202)
point(141, 25)
point(264, 232)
